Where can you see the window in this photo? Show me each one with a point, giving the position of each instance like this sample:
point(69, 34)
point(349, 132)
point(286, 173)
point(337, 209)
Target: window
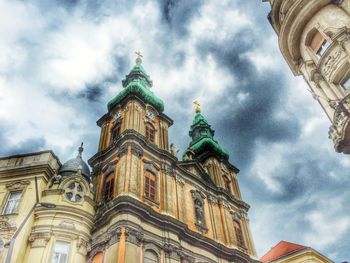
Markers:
point(238, 233)
point(60, 253)
point(227, 184)
point(318, 43)
point(98, 258)
point(109, 187)
point(150, 133)
point(74, 192)
point(12, 203)
point(346, 83)
point(151, 257)
point(150, 185)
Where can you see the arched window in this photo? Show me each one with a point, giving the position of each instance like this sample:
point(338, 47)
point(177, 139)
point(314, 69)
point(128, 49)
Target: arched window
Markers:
point(98, 258)
point(150, 133)
point(151, 257)
point(150, 185)
point(238, 233)
point(109, 187)
point(227, 184)
point(317, 42)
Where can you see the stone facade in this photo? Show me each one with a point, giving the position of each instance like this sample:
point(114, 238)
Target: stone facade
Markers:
point(139, 204)
point(314, 38)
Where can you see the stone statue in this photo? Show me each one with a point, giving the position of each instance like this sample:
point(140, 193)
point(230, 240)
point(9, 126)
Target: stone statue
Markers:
point(174, 151)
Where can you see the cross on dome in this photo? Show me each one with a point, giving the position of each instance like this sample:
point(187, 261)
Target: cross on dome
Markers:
point(139, 57)
point(197, 106)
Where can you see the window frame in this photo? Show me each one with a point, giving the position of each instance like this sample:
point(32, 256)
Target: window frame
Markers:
point(344, 80)
point(109, 181)
point(54, 250)
point(147, 190)
point(18, 202)
point(227, 184)
point(317, 50)
point(150, 133)
point(237, 228)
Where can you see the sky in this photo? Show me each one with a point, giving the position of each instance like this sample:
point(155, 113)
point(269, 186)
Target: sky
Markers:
point(62, 61)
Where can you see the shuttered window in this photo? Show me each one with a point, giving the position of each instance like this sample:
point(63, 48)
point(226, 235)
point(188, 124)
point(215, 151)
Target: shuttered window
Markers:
point(150, 185)
point(109, 187)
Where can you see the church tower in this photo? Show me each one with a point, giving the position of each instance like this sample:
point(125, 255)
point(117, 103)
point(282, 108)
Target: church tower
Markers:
point(151, 207)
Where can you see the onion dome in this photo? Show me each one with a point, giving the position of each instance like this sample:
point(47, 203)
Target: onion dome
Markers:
point(138, 83)
point(203, 143)
point(74, 165)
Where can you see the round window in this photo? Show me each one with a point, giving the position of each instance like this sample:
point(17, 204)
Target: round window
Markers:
point(74, 192)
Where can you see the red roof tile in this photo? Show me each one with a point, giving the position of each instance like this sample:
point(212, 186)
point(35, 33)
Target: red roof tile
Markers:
point(281, 249)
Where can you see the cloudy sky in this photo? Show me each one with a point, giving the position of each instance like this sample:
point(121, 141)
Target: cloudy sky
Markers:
point(62, 61)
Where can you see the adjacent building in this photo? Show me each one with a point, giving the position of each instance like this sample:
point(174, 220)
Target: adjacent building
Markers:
point(140, 203)
point(287, 252)
point(314, 38)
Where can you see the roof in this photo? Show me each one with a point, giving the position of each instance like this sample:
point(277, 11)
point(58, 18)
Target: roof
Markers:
point(281, 249)
point(137, 83)
point(203, 139)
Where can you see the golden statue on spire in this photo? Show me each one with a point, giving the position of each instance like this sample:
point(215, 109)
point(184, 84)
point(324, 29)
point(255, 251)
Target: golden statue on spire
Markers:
point(139, 57)
point(197, 106)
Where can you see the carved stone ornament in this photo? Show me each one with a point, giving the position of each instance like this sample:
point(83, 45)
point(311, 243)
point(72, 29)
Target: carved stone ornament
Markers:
point(171, 251)
point(39, 239)
point(235, 216)
point(150, 115)
point(17, 186)
point(136, 150)
point(316, 76)
point(225, 204)
point(179, 180)
point(123, 150)
point(55, 179)
point(82, 246)
point(198, 199)
point(212, 199)
point(168, 170)
point(134, 236)
point(67, 224)
point(7, 228)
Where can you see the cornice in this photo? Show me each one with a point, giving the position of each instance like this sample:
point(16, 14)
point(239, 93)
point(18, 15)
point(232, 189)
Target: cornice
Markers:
point(119, 146)
point(126, 204)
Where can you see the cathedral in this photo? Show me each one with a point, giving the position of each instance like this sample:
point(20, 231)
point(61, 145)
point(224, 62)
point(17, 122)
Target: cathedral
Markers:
point(140, 202)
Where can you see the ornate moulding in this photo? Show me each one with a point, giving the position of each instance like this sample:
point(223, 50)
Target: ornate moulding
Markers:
point(339, 132)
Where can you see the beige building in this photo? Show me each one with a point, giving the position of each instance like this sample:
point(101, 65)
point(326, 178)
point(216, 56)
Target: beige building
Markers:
point(314, 38)
point(139, 204)
point(287, 252)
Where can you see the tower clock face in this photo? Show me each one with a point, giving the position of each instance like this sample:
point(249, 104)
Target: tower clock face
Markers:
point(117, 115)
point(150, 115)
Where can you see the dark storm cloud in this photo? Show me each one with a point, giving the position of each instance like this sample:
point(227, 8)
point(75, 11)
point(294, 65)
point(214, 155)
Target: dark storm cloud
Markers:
point(92, 93)
point(256, 118)
point(26, 146)
point(178, 13)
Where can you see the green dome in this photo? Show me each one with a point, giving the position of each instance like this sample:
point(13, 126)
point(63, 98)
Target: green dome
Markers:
point(203, 139)
point(137, 83)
